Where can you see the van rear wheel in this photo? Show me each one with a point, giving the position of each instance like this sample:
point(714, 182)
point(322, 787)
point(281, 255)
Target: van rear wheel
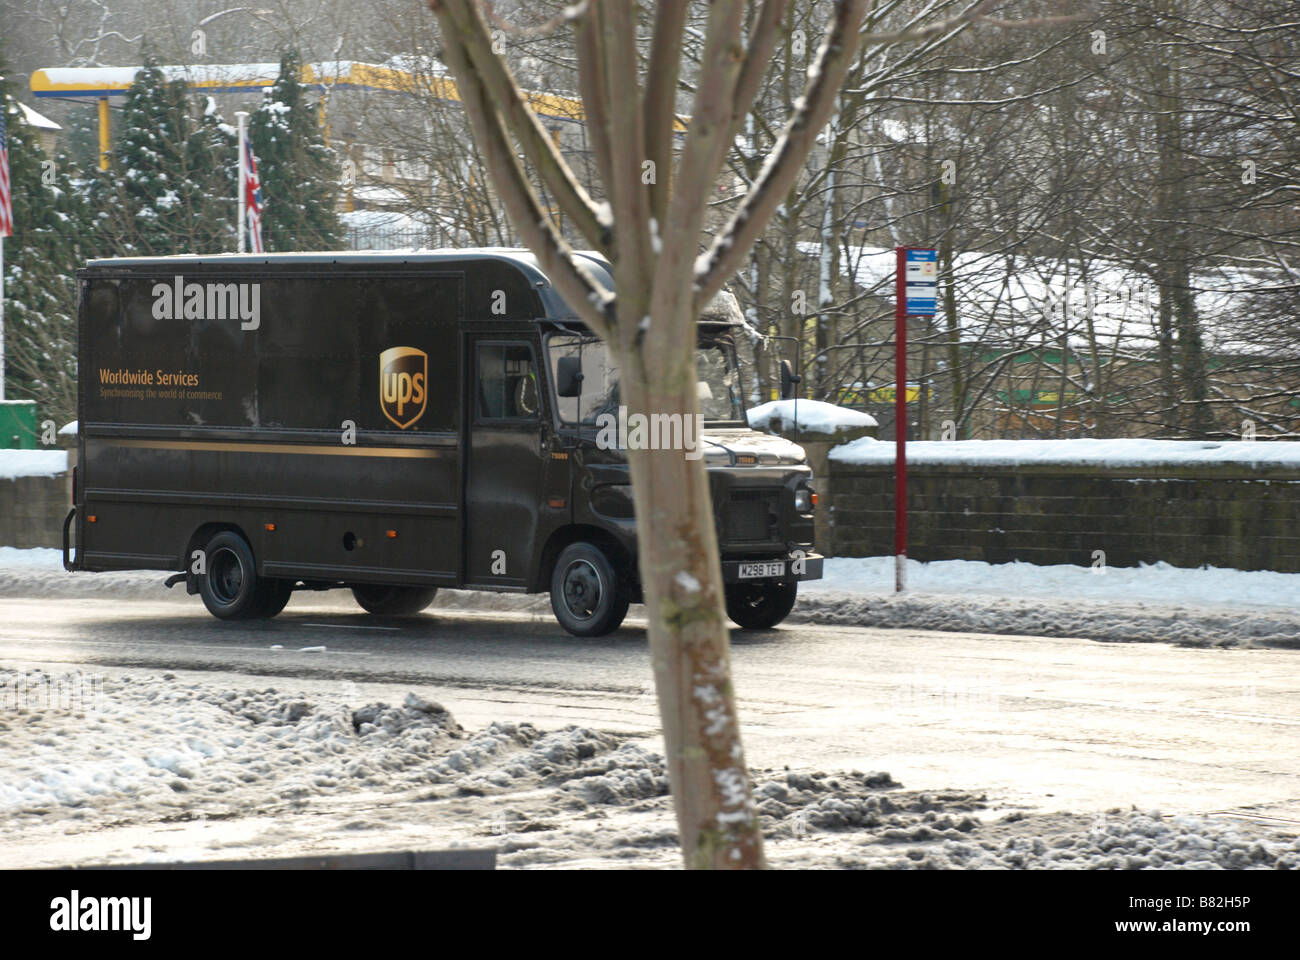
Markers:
point(760, 606)
point(230, 586)
point(588, 596)
point(393, 601)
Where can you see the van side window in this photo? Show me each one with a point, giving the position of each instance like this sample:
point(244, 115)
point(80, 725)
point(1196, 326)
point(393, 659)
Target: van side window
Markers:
point(507, 382)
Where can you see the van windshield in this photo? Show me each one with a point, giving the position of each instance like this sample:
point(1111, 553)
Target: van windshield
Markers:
point(715, 360)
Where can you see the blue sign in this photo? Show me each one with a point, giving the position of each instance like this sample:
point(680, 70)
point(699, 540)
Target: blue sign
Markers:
point(921, 282)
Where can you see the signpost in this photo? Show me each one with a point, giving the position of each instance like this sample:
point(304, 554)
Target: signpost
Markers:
point(917, 287)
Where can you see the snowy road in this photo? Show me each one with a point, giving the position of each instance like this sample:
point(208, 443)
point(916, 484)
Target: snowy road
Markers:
point(1048, 723)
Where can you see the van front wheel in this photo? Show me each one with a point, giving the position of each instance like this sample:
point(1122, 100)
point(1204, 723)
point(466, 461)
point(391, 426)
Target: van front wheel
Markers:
point(760, 606)
point(588, 596)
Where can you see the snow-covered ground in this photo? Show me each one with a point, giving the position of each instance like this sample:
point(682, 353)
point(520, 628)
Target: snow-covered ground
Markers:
point(147, 767)
point(1152, 603)
point(1157, 583)
point(1081, 452)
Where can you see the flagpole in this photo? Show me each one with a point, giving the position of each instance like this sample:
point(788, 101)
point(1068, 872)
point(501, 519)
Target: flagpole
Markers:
point(242, 117)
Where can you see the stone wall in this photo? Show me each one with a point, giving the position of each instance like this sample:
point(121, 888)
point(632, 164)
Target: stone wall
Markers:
point(32, 510)
point(1227, 515)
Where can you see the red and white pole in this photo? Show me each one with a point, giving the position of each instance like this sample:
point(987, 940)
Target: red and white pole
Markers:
point(900, 424)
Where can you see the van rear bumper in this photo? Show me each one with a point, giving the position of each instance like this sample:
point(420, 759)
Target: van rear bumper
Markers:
point(808, 567)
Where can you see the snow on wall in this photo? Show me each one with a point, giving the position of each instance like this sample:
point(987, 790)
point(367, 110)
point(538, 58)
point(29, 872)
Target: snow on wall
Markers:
point(32, 463)
point(814, 415)
point(1083, 452)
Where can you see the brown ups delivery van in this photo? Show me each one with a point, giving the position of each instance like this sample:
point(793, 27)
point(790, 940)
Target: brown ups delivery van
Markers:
point(393, 423)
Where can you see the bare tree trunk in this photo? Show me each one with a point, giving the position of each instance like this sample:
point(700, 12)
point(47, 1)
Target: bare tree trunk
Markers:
point(649, 323)
point(682, 581)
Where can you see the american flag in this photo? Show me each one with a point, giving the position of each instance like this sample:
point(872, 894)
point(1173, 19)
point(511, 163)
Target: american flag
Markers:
point(6, 200)
point(252, 188)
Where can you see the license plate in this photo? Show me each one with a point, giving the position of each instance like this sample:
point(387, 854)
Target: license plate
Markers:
point(750, 570)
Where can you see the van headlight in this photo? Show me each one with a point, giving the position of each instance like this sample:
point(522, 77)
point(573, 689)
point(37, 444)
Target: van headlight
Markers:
point(803, 500)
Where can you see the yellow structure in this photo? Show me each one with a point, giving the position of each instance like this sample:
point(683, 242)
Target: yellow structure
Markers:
point(105, 134)
point(101, 83)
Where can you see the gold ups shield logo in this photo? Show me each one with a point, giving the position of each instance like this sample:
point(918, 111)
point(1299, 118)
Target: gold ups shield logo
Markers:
point(403, 379)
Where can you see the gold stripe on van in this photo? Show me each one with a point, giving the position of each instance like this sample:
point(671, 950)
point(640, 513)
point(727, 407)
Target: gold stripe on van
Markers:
point(235, 446)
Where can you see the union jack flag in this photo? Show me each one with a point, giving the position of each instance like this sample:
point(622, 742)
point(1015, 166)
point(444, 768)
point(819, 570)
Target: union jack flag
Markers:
point(252, 188)
point(6, 199)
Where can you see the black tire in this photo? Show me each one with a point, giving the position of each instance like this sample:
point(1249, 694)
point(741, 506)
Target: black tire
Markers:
point(588, 596)
point(229, 586)
point(385, 600)
point(760, 606)
point(275, 596)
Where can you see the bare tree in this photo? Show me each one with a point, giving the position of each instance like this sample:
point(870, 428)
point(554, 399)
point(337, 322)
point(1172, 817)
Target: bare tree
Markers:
point(651, 232)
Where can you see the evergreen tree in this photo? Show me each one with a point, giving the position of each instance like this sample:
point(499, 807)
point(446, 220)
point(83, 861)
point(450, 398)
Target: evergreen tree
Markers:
point(151, 179)
point(172, 188)
point(299, 173)
point(212, 152)
point(41, 259)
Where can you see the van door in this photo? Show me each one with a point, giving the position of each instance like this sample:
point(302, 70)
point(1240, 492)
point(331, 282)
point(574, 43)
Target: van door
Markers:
point(505, 463)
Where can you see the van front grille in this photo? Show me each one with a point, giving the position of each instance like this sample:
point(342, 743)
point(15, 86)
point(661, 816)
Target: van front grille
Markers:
point(751, 514)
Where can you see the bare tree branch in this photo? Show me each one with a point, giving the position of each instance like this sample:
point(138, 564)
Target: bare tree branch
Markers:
point(727, 252)
point(573, 281)
point(662, 71)
point(523, 123)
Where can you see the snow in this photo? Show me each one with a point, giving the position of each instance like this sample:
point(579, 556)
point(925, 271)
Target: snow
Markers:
point(250, 74)
point(1152, 603)
point(687, 581)
point(32, 463)
point(1101, 453)
point(140, 767)
point(1158, 583)
point(36, 120)
point(814, 415)
point(36, 559)
point(1007, 300)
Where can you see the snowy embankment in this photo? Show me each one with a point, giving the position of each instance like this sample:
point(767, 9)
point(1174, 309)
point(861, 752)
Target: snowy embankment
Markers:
point(1118, 453)
point(140, 768)
point(1160, 603)
point(1156, 602)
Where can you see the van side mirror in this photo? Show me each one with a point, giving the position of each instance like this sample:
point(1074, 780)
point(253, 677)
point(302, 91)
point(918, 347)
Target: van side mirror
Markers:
point(789, 380)
point(568, 377)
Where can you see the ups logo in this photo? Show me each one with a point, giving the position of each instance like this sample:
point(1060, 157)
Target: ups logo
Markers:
point(403, 377)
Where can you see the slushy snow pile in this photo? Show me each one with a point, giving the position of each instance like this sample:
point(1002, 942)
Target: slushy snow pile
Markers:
point(1103, 453)
point(815, 416)
point(145, 753)
point(157, 746)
